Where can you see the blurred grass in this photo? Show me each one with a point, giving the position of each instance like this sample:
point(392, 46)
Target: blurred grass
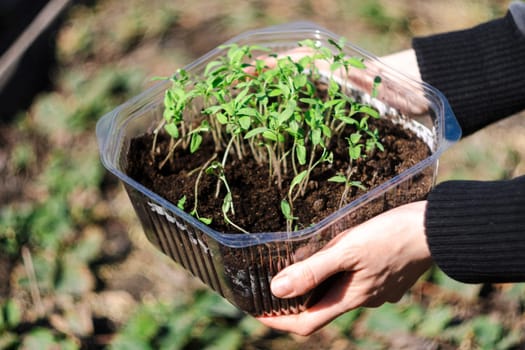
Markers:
point(78, 270)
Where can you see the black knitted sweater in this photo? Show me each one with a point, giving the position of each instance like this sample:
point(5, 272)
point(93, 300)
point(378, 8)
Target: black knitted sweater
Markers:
point(476, 229)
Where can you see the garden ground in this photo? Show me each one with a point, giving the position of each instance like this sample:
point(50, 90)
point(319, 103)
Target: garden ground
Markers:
point(75, 268)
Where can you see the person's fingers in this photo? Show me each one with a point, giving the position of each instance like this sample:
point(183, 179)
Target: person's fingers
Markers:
point(303, 324)
point(404, 61)
point(301, 277)
point(338, 299)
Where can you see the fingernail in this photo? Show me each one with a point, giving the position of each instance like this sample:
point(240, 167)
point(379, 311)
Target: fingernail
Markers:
point(281, 286)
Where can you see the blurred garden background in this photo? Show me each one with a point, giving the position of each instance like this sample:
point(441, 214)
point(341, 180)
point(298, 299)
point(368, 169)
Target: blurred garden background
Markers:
point(76, 271)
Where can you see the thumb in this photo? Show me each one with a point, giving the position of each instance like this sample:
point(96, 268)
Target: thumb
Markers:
point(303, 276)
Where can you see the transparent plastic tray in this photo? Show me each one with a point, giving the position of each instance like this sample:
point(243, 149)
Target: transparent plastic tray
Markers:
point(240, 266)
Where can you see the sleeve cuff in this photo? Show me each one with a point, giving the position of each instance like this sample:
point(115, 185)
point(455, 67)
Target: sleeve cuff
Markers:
point(476, 230)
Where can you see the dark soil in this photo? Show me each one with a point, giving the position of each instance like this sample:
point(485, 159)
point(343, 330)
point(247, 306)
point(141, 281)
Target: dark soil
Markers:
point(257, 199)
point(248, 271)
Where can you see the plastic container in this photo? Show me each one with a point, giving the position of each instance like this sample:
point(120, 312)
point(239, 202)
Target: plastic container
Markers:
point(240, 266)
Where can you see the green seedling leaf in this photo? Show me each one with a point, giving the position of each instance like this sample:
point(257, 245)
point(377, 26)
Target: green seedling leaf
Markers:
point(212, 110)
point(260, 65)
point(325, 52)
point(245, 122)
point(298, 179)
point(339, 45)
point(195, 143)
point(286, 209)
point(181, 203)
point(294, 130)
point(369, 110)
point(215, 168)
point(250, 112)
point(300, 151)
point(348, 120)
point(172, 130)
point(310, 101)
point(355, 138)
point(255, 132)
point(326, 157)
point(356, 62)
point(308, 43)
point(355, 152)
point(222, 118)
point(204, 127)
point(363, 124)
point(273, 136)
point(180, 75)
point(335, 66)
point(338, 178)
point(300, 81)
point(327, 132)
point(218, 80)
point(333, 88)
point(357, 184)
point(288, 112)
point(333, 103)
point(227, 203)
point(275, 93)
point(242, 97)
point(211, 66)
point(169, 98)
point(206, 221)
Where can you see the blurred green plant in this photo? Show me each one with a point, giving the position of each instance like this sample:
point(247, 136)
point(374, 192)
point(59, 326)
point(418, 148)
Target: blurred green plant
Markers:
point(23, 156)
point(375, 13)
point(481, 332)
point(83, 98)
point(390, 318)
point(88, 34)
point(206, 321)
point(11, 336)
point(52, 224)
point(46, 339)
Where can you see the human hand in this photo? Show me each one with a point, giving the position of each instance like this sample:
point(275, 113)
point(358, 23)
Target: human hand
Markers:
point(404, 61)
point(379, 261)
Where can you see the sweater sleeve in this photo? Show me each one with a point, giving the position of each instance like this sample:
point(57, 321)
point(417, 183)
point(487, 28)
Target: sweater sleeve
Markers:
point(480, 70)
point(476, 229)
